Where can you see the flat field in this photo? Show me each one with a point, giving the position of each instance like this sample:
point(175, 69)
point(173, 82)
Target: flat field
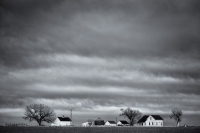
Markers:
point(99, 129)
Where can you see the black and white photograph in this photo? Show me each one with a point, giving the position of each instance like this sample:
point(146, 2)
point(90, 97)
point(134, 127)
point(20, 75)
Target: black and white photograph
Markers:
point(106, 66)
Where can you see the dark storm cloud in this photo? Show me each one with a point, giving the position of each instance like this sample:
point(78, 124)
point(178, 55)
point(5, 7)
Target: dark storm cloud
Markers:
point(100, 55)
point(164, 28)
point(14, 25)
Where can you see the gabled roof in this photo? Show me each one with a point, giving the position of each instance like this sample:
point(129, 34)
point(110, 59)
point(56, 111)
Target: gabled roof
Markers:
point(144, 118)
point(64, 119)
point(111, 122)
point(157, 117)
point(124, 122)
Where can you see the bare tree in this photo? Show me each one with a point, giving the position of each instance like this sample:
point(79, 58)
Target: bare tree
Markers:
point(176, 115)
point(40, 113)
point(132, 115)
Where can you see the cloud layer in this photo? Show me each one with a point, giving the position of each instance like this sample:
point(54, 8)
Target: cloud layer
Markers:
point(97, 57)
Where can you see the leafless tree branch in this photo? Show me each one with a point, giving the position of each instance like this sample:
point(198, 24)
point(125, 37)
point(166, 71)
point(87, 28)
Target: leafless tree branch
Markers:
point(40, 113)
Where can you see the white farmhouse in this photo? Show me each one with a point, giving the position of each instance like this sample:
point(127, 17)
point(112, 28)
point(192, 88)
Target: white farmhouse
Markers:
point(62, 121)
point(110, 123)
point(151, 120)
point(122, 123)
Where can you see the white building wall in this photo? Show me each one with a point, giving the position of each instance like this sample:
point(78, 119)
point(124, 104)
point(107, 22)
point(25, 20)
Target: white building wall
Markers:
point(85, 124)
point(159, 123)
point(108, 124)
point(64, 123)
point(57, 122)
point(119, 123)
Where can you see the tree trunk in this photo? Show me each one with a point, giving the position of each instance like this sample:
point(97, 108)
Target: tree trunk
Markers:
point(177, 124)
point(131, 122)
point(39, 122)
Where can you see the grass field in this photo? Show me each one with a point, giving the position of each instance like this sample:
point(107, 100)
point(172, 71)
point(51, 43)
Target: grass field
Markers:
point(99, 129)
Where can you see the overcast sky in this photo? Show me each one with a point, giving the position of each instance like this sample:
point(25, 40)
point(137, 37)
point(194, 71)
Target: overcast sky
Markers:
point(98, 56)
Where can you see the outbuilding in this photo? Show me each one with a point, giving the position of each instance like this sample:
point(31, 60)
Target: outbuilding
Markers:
point(110, 123)
point(98, 122)
point(86, 124)
point(62, 121)
point(122, 123)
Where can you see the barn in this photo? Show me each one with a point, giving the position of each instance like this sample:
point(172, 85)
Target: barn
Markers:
point(122, 123)
point(62, 121)
point(151, 120)
point(110, 123)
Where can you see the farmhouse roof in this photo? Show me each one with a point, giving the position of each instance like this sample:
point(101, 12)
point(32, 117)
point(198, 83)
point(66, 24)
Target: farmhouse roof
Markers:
point(111, 122)
point(64, 119)
point(124, 122)
point(144, 118)
point(157, 117)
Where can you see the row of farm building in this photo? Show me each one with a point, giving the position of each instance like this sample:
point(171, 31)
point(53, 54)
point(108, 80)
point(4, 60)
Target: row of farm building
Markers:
point(146, 120)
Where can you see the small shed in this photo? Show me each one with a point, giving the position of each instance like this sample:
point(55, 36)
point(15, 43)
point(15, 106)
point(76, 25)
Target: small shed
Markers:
point(110, 123)
point(86, 124)
point(185, 125)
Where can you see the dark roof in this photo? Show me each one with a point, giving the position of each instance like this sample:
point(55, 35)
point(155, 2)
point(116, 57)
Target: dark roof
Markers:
point(157, 117)
point(111, 122)
point(64, 119)
point(144, 118)
point(124, 122)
